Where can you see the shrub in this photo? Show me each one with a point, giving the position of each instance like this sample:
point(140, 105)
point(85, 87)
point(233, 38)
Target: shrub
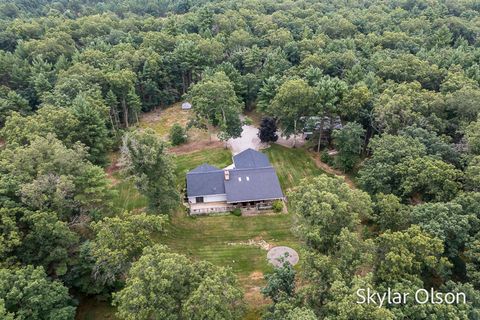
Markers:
point(178, 135)
point(277, 206)
point(326, 158)
point(237, 212)
point(268, 130)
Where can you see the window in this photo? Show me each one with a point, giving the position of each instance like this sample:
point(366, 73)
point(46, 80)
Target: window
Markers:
point(198, 199)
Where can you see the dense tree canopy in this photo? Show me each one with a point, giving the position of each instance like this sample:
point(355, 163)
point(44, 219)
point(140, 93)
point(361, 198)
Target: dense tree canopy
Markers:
point(393, 86)
point(27, 293)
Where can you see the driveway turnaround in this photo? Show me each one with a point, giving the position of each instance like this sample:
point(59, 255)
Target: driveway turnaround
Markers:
point(249, 139)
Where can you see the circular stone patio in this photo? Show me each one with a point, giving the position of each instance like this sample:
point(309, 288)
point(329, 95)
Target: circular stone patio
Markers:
point(275, 255)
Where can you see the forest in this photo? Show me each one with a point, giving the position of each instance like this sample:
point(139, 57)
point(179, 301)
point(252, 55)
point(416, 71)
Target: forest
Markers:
point(402, 77)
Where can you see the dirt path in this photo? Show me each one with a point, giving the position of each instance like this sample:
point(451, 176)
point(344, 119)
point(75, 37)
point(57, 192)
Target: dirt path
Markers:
point(325, 167)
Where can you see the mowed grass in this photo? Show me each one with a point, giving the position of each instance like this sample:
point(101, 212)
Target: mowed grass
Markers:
point(126, 196)
point(292, 165)
point(222, 240)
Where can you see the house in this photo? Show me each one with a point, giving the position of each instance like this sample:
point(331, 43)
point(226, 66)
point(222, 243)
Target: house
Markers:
point(249, 183)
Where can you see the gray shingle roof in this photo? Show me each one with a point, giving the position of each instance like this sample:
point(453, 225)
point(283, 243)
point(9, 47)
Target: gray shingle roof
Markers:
point(252, 179)
point(205, 180)
point(253, 185)
point(204, 168)
point(250, 159)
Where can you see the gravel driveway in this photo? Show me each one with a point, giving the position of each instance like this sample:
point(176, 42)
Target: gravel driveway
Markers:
point(249, 139)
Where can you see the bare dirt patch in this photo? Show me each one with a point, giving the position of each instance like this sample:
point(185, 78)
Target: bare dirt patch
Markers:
point(252, 284)
point(256, 242)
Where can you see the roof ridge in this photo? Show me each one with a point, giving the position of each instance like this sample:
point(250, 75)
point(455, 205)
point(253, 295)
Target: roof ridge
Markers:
point(204, 172)
point(254, 168)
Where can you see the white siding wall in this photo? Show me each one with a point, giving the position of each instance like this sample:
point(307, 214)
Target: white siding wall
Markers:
point(210, 198)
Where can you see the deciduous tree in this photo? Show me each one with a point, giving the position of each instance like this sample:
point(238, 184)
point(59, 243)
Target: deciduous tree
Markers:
point(27, 293)
point(146, 159)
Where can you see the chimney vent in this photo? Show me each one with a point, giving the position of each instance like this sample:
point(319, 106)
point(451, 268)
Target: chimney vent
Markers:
point(227, 175)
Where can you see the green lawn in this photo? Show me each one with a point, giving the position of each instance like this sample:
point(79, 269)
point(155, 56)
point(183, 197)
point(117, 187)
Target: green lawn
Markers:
point(126, 196)
point(292, 165)
point(219, 239)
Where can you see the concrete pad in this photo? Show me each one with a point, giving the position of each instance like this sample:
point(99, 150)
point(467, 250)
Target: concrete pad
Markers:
point(275, 254)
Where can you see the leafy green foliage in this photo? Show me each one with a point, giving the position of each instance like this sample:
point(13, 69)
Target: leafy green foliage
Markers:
point(215, 103)
point(445, 221)
point(407, 72)
point(159, 283)
point(47, 242)
point(473, 262)
point(349, 143)
point(280, 283)
point(146, 159)
point(277, 206)
point(27, 293)
point(390, 213)
point(178, 135)
point(293, 100)
point(47, 175)
point(378, 173)
point(216, 297)
point(268, 130)
point(324, 207)
point(472, 174)
point(118, 242)
point(473, 137)
point(405, 254)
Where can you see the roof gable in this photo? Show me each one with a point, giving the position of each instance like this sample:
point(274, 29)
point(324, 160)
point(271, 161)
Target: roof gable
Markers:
point(250, 159)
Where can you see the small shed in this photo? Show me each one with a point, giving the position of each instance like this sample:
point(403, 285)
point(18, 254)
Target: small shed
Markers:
point(186, 106)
